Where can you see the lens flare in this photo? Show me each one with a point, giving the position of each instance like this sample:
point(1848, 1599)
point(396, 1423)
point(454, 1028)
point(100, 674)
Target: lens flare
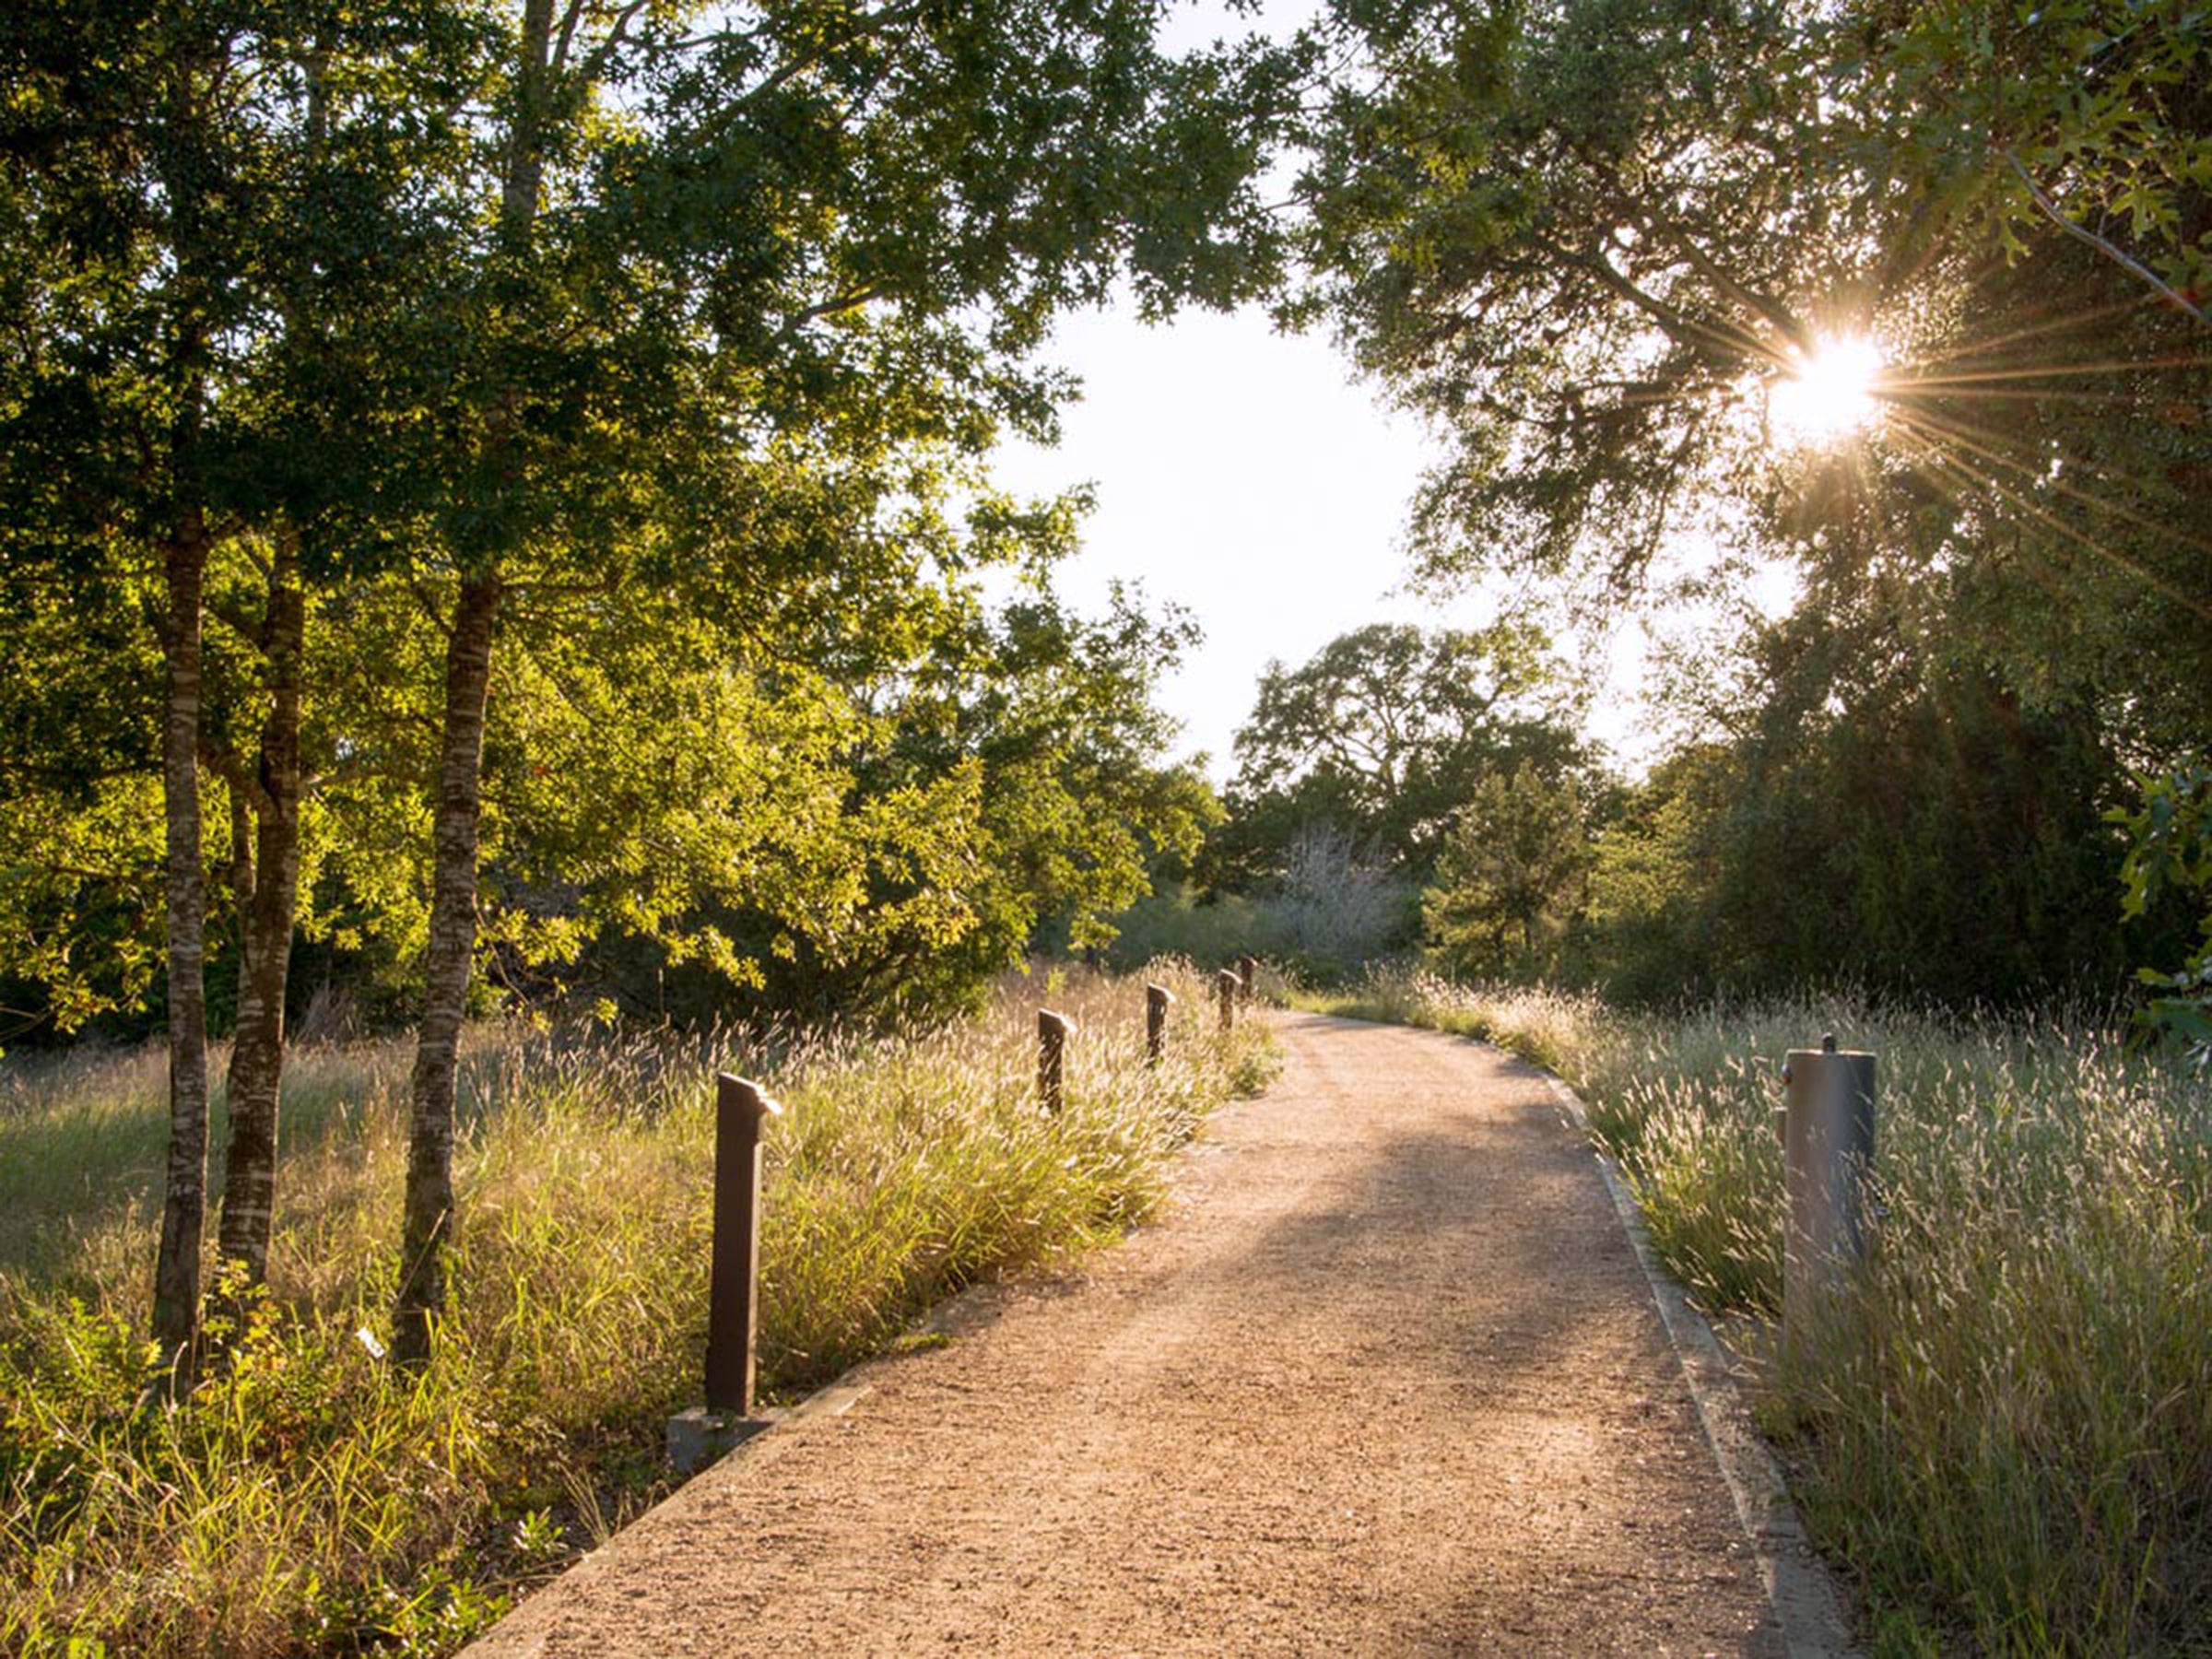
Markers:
point(1828, 394)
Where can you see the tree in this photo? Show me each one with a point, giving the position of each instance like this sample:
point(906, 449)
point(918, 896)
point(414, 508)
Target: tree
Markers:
point(1383, 734)
point(1876, 808)
point(1588, 253)
point(723, 226)
point(1333, 909)
point(182, 187)
point(2169, 862)
point(1011, 778)
point(1509, 876)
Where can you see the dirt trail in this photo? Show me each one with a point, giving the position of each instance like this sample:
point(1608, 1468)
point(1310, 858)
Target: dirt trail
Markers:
point(1385, 1378)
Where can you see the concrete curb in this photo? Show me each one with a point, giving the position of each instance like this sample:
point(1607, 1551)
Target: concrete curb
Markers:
point(1809, 1606)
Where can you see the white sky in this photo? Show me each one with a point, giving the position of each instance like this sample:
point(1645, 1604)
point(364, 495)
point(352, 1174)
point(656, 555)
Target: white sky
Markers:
point(1243, 475)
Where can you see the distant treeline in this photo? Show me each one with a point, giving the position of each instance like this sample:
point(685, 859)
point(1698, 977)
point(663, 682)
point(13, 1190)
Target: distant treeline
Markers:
point(1857, 810)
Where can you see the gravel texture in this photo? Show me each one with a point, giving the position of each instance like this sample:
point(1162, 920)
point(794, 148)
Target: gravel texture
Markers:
point(1385, 1377)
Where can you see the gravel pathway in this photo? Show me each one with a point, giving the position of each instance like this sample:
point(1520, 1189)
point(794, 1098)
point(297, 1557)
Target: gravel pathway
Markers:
point(1385, 1378)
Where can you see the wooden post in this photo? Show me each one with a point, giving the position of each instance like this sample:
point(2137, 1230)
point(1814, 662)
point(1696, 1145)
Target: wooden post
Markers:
point(733, 1295)
point(1248, 972)
point(1053, 1031)
point(1157, 999)
point(1225, 985)
point(1828, 1150)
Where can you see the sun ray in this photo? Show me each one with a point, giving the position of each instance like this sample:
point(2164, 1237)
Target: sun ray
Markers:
point(2117, 365)
point(1934, 437)
point(1893, 389)
point(2070, 322)
point(1960, 434)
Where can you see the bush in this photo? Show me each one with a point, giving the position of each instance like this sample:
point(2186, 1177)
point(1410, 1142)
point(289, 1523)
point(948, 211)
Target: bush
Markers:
point(1330, 914)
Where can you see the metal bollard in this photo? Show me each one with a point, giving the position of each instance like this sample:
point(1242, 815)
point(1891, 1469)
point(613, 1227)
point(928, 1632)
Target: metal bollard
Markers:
point(1225, 985)
point(1828, 1149)
point(733, 1297)
point(1158, 1000)
point(1248, 975)
point(1053, 1031)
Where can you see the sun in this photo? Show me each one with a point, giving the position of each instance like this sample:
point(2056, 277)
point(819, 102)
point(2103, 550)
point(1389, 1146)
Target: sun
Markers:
point(1828, 394)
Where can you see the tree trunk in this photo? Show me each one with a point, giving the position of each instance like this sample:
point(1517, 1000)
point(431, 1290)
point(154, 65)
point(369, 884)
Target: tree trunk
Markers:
point(271, 903)
point(177, 1267)
point(451, 949)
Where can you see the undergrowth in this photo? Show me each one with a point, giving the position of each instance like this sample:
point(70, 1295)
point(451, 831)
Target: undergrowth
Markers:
point(2008, 1440)
point(310, 1498)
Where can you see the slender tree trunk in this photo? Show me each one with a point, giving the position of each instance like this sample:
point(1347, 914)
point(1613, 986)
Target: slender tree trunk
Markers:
point(265, 939)
point(451, 949)
point(177, 1267)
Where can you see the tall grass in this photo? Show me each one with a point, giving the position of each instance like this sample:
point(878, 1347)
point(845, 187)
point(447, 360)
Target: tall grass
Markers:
point(310, 1498)
point(2008, 1438)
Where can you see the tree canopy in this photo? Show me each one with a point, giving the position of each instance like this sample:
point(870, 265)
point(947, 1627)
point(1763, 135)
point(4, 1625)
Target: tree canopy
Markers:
point(1383, 734)
point(528, 430)
point(1588, 253)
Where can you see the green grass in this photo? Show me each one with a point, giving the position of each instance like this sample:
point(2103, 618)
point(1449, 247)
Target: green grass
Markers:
point(309, 1499)
point(2009, 1440)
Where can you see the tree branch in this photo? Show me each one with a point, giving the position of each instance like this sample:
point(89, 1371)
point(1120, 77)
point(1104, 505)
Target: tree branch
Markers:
point(2126, 261)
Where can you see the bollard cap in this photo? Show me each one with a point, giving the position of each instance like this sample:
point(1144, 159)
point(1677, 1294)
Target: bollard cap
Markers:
point(1059, 1022)
point(766, 1104)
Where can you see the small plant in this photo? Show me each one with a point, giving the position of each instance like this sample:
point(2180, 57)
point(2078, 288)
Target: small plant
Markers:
point(537, 1536)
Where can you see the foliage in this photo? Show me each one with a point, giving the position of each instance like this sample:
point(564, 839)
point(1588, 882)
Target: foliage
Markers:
point(1331, 911)
point(1335, 907)
point(2006, 1443)
point(1054, 715)
point(1877, 815)
point(1509, 878)
point(309, 1499)
point(1380, 736)
point(1000, 793)
point(1588, 253)
point(2097, 105)
point(553, 327)
point(709, 379)
point(2170, 852)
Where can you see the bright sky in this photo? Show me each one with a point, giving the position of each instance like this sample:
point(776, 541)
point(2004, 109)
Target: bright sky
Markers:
point(1243, 475)
point(1237, 474)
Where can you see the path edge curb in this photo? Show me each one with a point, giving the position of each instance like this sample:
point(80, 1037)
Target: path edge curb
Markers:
point(1809, 1605)
point(952, 1317)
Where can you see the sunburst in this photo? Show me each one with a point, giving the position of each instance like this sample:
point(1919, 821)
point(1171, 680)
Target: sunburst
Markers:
point(1828, 394)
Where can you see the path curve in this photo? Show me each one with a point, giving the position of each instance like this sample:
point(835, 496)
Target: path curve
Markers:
point(1386, 1377)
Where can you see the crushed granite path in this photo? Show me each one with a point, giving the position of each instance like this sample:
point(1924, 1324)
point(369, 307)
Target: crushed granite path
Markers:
point(1385, 1377)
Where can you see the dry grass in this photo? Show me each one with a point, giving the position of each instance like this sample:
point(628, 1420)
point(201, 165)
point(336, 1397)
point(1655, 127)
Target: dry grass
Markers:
point(311, 1499)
